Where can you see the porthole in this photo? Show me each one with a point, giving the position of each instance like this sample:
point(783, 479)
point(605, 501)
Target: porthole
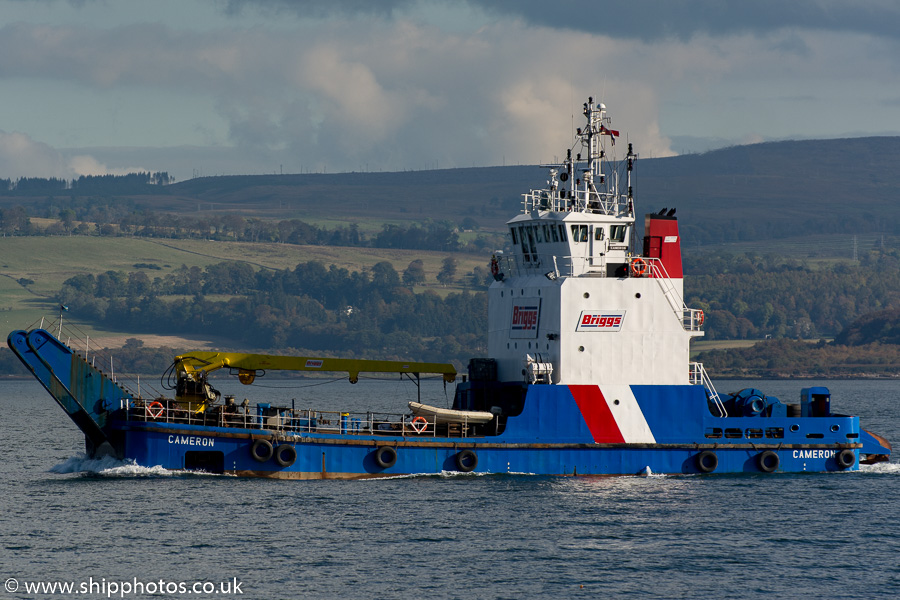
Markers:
point(835, 428)
point(616, 401)
point(638, 295)
point(795, 428)
point(581, 348)
point(586, 295)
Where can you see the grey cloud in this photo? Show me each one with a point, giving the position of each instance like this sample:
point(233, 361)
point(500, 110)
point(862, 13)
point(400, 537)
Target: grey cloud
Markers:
point(322, 8)
point(682, 19)
point(641, 19)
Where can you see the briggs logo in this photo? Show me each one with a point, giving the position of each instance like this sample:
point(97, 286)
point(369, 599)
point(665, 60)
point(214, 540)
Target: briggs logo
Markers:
point(526, 318)
point(314, 364)
point(600, 321)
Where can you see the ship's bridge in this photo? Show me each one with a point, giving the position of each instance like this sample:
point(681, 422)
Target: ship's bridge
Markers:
point(570, 244)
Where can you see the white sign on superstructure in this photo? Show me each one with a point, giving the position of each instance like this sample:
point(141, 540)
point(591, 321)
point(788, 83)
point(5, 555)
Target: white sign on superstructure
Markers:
point(526, 317)
point(607, 320)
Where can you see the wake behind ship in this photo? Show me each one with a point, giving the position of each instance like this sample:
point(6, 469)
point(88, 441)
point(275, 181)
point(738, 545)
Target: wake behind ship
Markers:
point(588, 371)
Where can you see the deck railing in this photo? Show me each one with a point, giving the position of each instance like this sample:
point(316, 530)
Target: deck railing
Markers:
point(699, 376)
point(295, 421)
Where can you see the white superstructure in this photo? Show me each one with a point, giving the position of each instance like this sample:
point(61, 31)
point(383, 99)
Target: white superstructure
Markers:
point(577, 302)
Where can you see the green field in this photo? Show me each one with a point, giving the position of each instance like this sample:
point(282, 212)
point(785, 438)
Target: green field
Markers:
point(49, 261)
point(701, 345)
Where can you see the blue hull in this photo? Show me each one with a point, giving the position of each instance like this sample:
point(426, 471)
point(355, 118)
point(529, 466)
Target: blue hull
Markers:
point(353, 456)
point(544, 430)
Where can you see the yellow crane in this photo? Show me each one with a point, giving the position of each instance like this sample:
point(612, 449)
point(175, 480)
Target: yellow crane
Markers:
point(193, 368)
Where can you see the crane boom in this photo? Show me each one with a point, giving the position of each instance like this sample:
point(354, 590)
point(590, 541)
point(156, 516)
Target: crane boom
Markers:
point(205, 361)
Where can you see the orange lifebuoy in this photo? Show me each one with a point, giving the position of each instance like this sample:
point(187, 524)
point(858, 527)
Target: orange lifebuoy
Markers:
point(638, 267)
point(155, 409)
point(420, 424)
point(700, 319)
point(495, 266)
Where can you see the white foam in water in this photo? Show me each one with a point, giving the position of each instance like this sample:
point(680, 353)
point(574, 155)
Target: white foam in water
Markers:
point(890, 468)
point(111, 467)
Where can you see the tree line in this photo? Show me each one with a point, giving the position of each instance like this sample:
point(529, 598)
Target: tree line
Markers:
point(749, 296)
point(99, 217)
point(742, 296)
point(308, 309)
point(130, 183)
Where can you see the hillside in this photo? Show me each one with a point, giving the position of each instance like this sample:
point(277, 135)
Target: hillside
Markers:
point(33, 269)
point(880, 327)
point(772, 191)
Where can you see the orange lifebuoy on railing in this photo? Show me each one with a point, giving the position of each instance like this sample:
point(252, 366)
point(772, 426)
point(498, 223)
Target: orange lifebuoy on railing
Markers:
point(700, 318)
point(155, 410)
point(420, 424)
point(638, 267)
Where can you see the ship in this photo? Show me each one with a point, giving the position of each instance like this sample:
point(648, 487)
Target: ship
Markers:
point(588, 371)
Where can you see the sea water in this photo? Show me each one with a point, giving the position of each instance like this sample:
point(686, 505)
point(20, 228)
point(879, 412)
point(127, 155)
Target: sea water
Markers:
point(112, 529)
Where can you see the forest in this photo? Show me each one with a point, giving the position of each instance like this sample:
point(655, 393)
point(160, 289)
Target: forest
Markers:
point(308, 309)
point(98, 217)
point(754, 296)
point(372, 312)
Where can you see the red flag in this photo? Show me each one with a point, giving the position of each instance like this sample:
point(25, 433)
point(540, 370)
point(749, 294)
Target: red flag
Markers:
point(612, 132)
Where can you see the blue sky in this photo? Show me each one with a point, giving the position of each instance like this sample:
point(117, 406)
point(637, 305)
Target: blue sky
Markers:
point(207, 87)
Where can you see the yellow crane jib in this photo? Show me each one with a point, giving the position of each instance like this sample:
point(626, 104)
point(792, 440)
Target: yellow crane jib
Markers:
point(194, 367)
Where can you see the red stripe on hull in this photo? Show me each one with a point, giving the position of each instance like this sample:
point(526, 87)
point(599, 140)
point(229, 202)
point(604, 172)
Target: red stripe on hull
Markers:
point(596, 414)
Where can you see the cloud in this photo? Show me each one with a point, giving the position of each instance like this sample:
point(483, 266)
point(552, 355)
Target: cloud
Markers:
point(395, 92)
point(642, 19)
point(21, 156)
point(323, 8)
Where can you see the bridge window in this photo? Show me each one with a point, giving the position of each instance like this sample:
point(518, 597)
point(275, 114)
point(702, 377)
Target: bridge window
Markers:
point(553, 232)
point(526, 249)
point(598, 234)
point(562, 233)
point(513, 232)
point(579, 233)
point(537, 233)
point(617, 233)
point(546, 233)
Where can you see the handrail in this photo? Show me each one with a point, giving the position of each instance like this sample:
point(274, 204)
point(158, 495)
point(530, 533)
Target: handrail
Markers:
point(283, 420)
point(699, 376)
point(691, 318)
point(559, 266)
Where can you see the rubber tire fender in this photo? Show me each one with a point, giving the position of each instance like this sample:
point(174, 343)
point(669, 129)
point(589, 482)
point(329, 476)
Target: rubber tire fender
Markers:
point(285, 455)
point(466, 461)
point(706, 461)
point(768, 461)
point(385, 457)
point(265, 446)
point(846, 458)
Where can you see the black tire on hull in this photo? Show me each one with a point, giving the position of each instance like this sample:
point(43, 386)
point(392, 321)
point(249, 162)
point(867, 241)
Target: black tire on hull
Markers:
point(767, 461)
point(466, 461)
point(385, 457)
point(261, 450)
point(707, 461)
point(846, 458)
point(285, 455)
